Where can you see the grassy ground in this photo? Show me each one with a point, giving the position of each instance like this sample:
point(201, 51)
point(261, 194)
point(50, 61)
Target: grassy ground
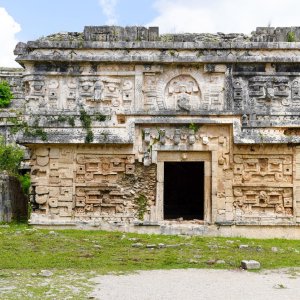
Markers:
point(74, 256)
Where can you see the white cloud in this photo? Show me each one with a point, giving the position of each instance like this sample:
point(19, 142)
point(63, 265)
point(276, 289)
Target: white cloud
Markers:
point(8, 29)
point(108, 9)
point(175, 16)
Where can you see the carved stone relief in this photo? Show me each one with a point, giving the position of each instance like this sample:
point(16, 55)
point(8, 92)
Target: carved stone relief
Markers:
point(238, 94)
point(101, 188)
point(264, 200)
point(52, 178)
point(264, 93)
point(107, 92)
point(35, 94)
point(53, 85)
point(185, 89)
point(71, 185)
point(267, 91)
point(295, 90)
point(259, 168)
point(71, 93)
point(150, 92)
point(182, 93)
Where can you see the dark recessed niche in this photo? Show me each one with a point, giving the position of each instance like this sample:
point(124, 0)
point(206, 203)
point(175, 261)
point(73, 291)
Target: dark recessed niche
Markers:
point(249, 68)
point(184, 190)
point(288, 68)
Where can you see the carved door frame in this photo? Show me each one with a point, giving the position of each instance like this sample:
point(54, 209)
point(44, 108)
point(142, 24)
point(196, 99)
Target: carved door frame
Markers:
point(210, 179)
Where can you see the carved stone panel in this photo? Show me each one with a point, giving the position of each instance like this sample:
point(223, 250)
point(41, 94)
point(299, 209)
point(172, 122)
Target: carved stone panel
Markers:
point(269, 91)
point(150, 92)
point(52, 180)
point(35, 94)
point(262, 94)
point(182, 93)
point(265, 201)
point(106, 92)
point(260, 169)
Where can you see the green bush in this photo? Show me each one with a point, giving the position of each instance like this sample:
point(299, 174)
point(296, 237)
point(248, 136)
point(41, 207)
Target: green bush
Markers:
point(10, 158)
point(291, 37)
point(25, 183)
point(5, 94)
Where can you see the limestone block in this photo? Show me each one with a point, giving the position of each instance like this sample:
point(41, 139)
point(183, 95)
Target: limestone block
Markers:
point(54, 164)
point(54, 152)
point(53, 202)
point(41, 199)
point(42, 152)
point(229, 216)
point(42, 161)
point(53, 191)
point(250, 264)
point(228, 206)
point(221, 204)
point(40, 190)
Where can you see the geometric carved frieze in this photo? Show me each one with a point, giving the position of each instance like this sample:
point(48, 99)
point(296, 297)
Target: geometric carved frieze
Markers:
point(98, 188)
point(93, 168)
point(106, 91)
point(262, 168)
point(269, 91)
point(280, 200)
point(71, 92)
point(262, 93)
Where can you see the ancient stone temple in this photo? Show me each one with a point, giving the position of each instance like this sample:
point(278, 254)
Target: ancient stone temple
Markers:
point(181, 133)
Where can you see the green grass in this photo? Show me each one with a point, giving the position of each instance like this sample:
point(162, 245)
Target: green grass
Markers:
point(23, 247)
point(27, 250)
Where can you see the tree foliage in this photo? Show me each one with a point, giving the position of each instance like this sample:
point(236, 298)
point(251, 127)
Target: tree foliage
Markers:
point(10, 158)
point(5, 94)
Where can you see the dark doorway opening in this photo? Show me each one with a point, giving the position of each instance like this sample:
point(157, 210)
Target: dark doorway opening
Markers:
point(184, 190)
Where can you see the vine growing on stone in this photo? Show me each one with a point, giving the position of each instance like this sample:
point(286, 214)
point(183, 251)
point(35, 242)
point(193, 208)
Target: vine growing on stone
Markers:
point(141, 204)
point(19, 125)
point(86, 122)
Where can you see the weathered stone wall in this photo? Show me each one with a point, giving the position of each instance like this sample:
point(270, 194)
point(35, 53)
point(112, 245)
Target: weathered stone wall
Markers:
point(13, 203)
point(116, 103)
point(14, 78)
point(89, 184)
point(264, 184)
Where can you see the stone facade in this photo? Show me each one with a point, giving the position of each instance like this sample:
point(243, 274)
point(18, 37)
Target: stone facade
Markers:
point(115, 104)
point(89, 183)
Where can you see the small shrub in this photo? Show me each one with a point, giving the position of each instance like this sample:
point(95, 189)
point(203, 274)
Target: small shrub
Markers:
point(194, 127)
point(62, 119)
point(5, 94)
point(291, 37)
point(41, 133)
point(25, 183)
point(89, 136)
point(100, 118)
point(85, 119)
point(71, 121)
point(10, 158)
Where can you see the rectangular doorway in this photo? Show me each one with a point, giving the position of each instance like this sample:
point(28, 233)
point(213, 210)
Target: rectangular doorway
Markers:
point(184, 190)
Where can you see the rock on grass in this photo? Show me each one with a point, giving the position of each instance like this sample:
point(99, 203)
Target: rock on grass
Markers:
point(250, 265)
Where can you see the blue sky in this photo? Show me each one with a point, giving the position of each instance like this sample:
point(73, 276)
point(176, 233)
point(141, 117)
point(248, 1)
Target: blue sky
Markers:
point(23, 20)
point(43, 17)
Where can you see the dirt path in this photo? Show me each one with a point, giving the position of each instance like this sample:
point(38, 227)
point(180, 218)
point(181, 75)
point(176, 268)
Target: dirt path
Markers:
point(200, 284)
